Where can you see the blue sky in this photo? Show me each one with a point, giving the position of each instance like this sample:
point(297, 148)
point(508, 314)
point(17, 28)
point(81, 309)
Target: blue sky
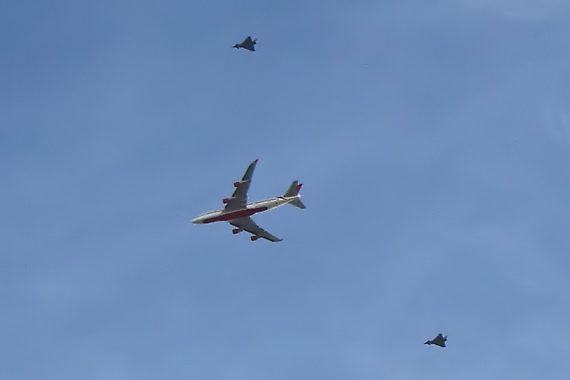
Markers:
point(433, 140)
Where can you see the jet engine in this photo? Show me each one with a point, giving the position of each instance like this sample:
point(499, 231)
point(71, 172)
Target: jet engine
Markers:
point(236, 231)
point(254, 237)
point(236, 184)
point(225, 200)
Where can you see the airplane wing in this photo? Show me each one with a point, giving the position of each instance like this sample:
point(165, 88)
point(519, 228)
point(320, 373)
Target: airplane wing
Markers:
point(247, 224)
point(248, 44)
point(439, 340)
point(239, 197)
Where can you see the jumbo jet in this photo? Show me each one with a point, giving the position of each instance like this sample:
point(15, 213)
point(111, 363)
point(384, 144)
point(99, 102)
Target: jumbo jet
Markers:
point(238, 212)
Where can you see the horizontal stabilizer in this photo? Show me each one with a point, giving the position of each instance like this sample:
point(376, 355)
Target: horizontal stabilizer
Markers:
point(297, 203)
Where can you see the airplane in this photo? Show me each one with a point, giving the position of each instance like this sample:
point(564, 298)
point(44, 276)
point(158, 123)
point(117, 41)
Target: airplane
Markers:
point(439, 340)
point(247, 44)
point(238, 212)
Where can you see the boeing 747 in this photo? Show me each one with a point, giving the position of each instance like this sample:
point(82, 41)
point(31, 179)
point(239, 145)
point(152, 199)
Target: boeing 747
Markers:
point(238, 212)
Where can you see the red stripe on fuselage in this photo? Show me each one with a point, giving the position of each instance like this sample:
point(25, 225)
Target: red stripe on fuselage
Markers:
point(235, 215)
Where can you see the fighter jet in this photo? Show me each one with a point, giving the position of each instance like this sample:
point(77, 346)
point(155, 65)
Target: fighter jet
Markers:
point(439, 340)
point(248, 44)
point(237, 211)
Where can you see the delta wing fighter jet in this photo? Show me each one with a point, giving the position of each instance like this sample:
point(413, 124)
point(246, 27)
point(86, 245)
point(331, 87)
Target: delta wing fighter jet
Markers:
point(247, 44)
point(439, 340)
point(238, 212)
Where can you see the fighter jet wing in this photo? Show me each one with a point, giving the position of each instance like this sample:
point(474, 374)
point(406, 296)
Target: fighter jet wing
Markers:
point(248, 44)
point(239, 197)
point(439, 340)
point(247, 224)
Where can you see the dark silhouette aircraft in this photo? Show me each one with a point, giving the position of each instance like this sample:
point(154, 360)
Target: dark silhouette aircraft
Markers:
point(248, 44)
point(439, 340)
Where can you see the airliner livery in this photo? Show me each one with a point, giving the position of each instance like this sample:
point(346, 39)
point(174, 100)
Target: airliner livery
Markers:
point(238, 212)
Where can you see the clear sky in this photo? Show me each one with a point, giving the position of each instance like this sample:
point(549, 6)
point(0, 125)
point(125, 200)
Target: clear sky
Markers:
point(433, 139)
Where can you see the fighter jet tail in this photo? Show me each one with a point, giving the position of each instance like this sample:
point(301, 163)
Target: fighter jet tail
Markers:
point(293, 191)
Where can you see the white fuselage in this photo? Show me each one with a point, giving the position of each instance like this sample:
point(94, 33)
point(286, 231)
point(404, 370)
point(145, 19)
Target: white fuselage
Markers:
point(250, 209)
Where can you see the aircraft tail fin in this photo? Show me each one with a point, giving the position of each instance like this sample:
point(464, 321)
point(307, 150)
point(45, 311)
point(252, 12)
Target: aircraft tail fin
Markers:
point(293, 191)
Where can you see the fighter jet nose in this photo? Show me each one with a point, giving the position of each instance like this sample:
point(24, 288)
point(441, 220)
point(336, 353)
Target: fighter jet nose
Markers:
point(196, 220)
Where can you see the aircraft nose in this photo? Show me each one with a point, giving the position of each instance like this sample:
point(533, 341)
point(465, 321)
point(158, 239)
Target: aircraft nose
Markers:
point(196, 220)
